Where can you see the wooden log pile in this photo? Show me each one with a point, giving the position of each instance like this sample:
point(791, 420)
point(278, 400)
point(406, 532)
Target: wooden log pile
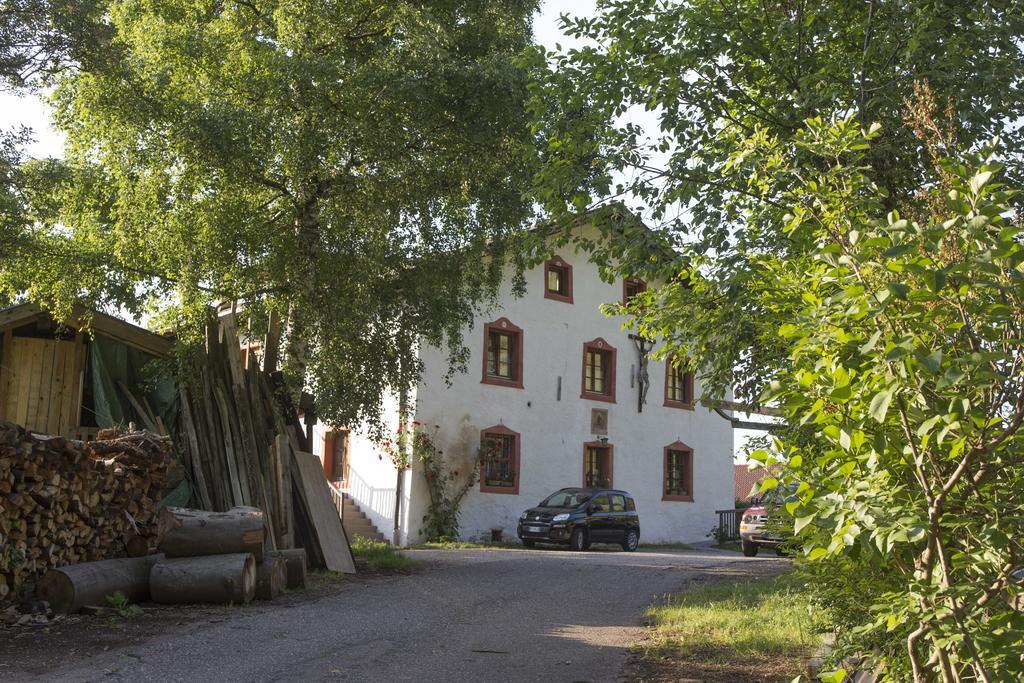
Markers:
point(243, 447)
point(230, 419)
point(64, 501)
point(205, 557)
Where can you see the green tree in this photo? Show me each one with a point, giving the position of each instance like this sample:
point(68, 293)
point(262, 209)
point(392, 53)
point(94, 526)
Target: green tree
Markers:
point(861, 280)
point(906, 372)
point(39, 38)
point(356, 168)
point(713, 75)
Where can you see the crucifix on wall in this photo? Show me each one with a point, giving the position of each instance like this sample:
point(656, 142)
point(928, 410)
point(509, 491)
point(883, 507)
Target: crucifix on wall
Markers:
point(643, 378)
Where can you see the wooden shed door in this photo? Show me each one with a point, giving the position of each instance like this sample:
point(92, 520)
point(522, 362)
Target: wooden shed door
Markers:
point(42, 389)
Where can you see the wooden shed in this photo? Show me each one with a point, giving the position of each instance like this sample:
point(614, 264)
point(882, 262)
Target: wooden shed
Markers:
point(53, 377)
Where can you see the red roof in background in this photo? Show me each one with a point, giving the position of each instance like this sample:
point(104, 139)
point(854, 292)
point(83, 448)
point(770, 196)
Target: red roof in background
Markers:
point(744, 479)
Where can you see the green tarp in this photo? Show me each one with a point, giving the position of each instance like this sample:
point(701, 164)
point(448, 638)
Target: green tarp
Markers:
point(111, 363)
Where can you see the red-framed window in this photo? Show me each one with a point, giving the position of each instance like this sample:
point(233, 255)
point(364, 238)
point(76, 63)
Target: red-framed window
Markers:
point(598, 461)
point(558, 280)
point(503, 354)
point(598, 382)
point(678, 473)
point(678, 385)
point(499, 460)
point(632, 286)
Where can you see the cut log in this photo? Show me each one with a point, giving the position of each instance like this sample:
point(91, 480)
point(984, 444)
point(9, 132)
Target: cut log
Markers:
point(295, 562)
point(69, 589)
point(271, 576)
point(136, 545)
point(185, 532)
point(211, 578)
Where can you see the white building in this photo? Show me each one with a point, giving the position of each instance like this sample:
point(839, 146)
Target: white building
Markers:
point(552, 388)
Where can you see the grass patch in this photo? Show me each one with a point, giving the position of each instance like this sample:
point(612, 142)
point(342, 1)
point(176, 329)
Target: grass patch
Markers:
point(664, 546)
point(763, 617)
point(380, 557)
point(462, 545)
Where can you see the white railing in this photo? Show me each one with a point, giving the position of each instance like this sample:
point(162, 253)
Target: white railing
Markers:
point(338, 497)
point(377, 503)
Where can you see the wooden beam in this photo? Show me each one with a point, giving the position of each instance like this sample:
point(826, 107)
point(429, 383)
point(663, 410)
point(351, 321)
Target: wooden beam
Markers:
point(323, 514)
point(16, 316)
point(125, 332)
point(6, 371)
point(147, 419)
point(743, 408)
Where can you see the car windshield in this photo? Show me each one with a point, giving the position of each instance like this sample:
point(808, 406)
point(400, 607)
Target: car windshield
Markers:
point(778, 495)
point(566, 499)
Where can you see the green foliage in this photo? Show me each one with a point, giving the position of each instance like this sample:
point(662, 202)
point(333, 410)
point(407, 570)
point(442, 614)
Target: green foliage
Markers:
point(356, 167)
point(904, 391)
point(445, 486)
point(40, 37)
point(846, 250)
point(662, 104)
point(119, 603)
point(379, 556)
point(453, 544)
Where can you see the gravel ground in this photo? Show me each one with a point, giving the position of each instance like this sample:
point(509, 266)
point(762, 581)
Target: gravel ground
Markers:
point(469, 615)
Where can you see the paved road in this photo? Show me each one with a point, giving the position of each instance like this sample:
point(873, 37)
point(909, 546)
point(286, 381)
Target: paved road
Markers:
point(472, 615)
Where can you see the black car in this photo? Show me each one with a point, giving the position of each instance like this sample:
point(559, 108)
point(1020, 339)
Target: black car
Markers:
point(579, 517)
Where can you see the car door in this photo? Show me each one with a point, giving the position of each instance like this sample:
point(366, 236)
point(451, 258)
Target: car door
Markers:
point(617, 518)
point(598, 518)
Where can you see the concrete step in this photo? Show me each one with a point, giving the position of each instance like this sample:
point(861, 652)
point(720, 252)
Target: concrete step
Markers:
point(356, 522)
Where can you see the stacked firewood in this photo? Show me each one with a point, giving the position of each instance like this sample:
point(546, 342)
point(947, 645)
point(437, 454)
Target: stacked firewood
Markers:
point(64, 501)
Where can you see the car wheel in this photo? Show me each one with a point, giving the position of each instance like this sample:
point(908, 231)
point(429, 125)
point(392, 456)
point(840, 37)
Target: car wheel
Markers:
point(749, 548)
point(578, 540)
point(528, 544)
point(632, 540)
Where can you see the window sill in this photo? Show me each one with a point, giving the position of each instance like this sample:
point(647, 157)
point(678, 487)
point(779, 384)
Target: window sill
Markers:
point(590, 396)
point(498, 382)
point(669, 403)
point(554, 296)
point(677, 499)
point(510, 490)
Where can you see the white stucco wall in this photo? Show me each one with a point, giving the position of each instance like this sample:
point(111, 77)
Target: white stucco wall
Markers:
point(552, 432)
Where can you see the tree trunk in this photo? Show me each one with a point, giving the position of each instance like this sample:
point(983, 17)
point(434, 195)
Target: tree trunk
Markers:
point(189, 533)
point(271, 577)
point(69, 589)
point(307, 233)
point(295, 563)
point(212, 578)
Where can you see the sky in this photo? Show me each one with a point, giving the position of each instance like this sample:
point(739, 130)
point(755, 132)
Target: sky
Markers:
point(32, 112)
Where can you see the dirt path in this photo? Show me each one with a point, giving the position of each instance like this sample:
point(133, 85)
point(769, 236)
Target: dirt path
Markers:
point(496, 615)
